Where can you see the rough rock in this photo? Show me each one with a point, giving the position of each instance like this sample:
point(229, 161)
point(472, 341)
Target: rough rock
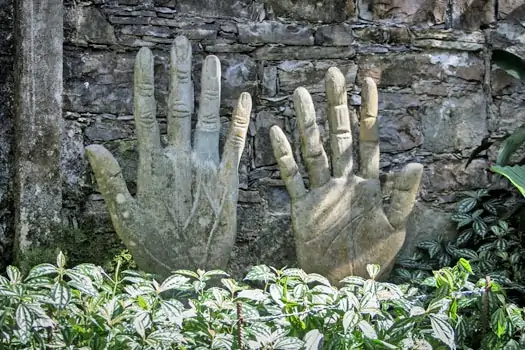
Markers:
point(273, 32)
point(404, 11)
point(312, 10)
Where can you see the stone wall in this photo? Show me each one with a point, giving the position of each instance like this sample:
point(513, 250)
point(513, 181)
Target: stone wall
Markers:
point(6, 128)
point(439, 94)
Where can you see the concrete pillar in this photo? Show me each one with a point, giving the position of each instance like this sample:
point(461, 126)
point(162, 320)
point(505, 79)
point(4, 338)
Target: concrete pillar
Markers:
point(38, 114)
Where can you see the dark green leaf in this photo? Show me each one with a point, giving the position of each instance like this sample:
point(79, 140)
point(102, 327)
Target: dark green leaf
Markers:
point(467, 204)
point(480, 227)
point(468, 254)
point(464, 237)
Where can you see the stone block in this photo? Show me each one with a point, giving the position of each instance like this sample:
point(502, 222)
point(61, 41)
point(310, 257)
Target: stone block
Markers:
point(311, 75)
point(510, 116)
point(313, 10)
point(511, 9)
point(399, 122)
point(264, 120)
point(411, 69)
point(404, 11)
point(273, 32)
point(73, 163)
point(334, 35)
point(86, 24)
point(451, 175)
point(280, 53)
point(453, 124)
point(222, 8)
point(472, 14)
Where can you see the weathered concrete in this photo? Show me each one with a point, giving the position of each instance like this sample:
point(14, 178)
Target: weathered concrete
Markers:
point(38, 186)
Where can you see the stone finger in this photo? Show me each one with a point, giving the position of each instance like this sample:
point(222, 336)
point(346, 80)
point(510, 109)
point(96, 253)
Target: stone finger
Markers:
point(121, 204)
point(144, 111)
point(339, 123)
point(208, 123)
point(181, 101)
point(369, 131)
point(289, 169)
point(237, 136)
point(404, 191)
point(311, 146)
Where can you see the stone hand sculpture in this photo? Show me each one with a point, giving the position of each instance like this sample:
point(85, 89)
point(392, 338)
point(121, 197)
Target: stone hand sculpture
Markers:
point(184, 212)
point(341, 224)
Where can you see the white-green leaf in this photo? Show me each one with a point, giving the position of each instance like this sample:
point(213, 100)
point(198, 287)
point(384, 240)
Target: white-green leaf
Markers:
point(230, 284)
point(260, 273)
point(24, 321)
point(187, 273)
point(222, 341)
point(442, 330)
point(252, 294)
point(61, 294)
point(288, 343)
point(313, 340)
point(353, 280)
point(174, 282)
point(142, 322)
point(276, 292)
point(373, 270)
point(350, 320)
point(61, 260)
point(14, 274)
point(41, 270)
point(367, 329)
point(315, 277)
point(173, 310)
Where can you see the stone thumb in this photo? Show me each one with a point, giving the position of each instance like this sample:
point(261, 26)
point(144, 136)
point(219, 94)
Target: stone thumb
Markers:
point(405, 187)
point(110, 182)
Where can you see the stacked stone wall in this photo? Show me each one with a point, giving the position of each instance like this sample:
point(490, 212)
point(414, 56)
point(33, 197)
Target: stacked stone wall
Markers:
point(440, 95)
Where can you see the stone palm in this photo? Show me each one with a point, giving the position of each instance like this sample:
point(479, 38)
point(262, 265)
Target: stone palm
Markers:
point(184, 213)
point(341, 223)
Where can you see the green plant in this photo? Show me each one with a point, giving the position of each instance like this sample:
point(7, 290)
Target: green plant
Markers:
point(487, 237)
point(55, 307)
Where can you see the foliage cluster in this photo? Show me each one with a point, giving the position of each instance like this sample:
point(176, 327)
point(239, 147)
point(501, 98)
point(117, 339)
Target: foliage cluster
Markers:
point(488, 236)
point(83, 307)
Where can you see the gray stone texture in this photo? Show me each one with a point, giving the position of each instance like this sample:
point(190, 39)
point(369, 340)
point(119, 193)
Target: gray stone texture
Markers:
point(6, 130)
point(438, 94)
point(38, 118)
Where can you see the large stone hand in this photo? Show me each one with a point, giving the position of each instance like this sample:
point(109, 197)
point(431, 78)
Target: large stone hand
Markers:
point(340, 224)
point(184, 213)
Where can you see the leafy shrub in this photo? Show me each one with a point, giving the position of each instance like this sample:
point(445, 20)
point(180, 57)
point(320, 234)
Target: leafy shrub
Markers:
point(84, 308)
point(487, 238)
